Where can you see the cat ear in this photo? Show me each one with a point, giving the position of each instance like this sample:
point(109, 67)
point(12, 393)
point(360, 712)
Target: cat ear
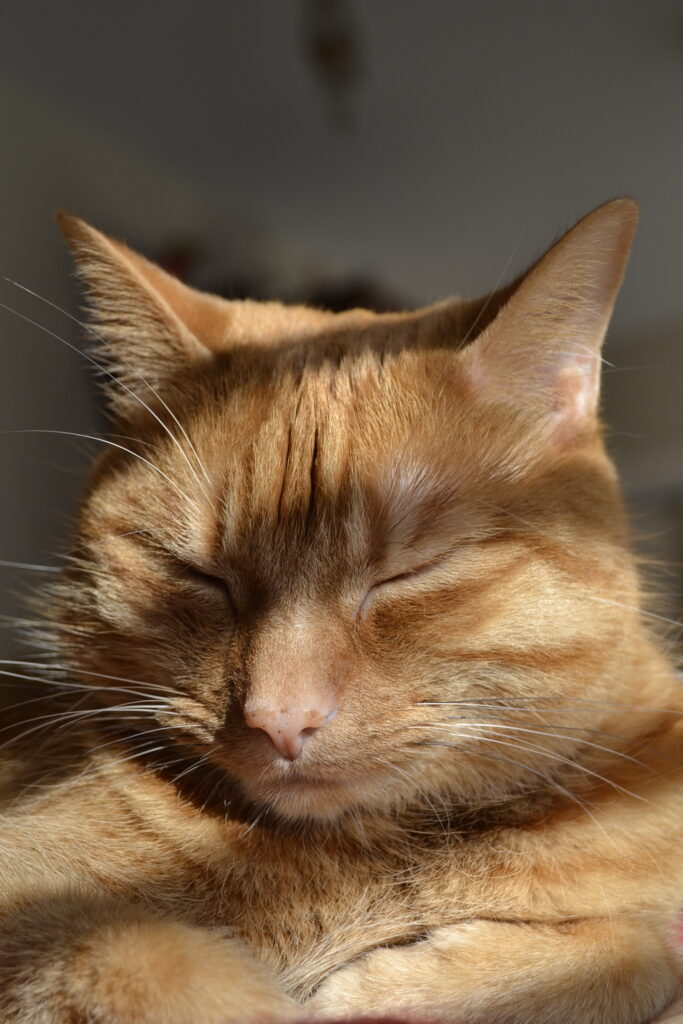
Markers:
point(543, 348)
point(151, 324)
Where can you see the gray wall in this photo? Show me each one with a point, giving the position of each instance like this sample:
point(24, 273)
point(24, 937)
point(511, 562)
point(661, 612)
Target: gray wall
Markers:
point(53, 159)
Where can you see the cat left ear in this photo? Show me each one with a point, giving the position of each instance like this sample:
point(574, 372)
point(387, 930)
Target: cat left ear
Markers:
point(152, 324)
point(543, 348)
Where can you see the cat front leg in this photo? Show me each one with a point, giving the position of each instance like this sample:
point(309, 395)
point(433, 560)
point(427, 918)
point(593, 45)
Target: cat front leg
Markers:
point(72, 961)
point(603, 971)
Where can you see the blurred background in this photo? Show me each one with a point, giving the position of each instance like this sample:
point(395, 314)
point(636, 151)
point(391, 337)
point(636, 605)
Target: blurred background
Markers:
point(376, 152)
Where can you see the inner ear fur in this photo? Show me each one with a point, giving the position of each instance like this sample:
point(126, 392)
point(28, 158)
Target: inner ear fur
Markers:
point(543, 348)
point(122, 286)
point(153, 326)
point(149, 323)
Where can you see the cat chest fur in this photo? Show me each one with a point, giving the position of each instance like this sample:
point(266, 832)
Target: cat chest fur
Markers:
point(307, 902)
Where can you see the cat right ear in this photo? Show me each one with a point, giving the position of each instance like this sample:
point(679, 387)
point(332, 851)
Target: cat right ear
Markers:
point(152, 326)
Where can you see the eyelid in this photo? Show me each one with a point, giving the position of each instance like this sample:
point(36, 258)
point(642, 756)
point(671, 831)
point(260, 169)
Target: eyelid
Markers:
point(419, 570)
point(194, 573)
point(408, 574)
point(202, 575)
point(190, 571)
point(209, 581)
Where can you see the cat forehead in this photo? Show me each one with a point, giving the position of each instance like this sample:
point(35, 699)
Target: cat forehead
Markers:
point(319, 333)
point(327, 387)
point(248, 322)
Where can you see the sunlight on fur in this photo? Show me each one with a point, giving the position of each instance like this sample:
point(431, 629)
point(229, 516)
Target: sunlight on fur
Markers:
point(350, 706)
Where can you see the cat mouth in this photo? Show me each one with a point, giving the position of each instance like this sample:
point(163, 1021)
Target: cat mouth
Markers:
point(296, 795)
point(305, 782)
point(308, 798)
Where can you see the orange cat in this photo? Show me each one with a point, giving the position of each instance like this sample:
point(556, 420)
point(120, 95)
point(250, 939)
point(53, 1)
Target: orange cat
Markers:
point(362, 714)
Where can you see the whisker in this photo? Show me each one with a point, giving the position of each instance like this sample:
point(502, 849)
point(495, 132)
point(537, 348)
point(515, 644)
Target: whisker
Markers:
point(138, 753)
point(197, 764)
point(422, 792)
point(112, 444)
point(89, 672)
point(29, 565)
point(542, 719)
point(647, 366)
point(546, 779)
point(554, 756)
point(134, 737)
point(539, 732)
point(221, 779)
point(634, 608)
point(80, 686)
point(94, 334)
point(116, 709)
point(103, 369)
point(44, 696)
point(503, 273)
point(127, 741)
point(566, 705)
point(65, 718)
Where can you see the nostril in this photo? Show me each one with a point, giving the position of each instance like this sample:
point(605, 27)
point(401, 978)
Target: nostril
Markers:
point(288, 728)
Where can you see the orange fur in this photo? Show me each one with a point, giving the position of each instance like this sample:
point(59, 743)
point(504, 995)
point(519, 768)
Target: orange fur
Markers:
point(410, 517)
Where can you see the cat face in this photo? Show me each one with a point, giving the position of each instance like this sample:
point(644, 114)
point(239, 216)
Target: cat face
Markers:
point(339, 555)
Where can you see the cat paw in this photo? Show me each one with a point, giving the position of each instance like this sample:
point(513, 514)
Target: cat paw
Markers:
point(181, 974)
point(382, 981)
point(152, 970)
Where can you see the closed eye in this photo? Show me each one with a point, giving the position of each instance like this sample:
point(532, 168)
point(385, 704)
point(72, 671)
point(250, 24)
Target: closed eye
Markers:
point(401, 577)
point(183, 570)
point(189, 572)
point(206, 580)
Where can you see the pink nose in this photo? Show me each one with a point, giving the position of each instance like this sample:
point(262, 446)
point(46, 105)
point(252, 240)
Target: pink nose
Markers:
point(288, 728)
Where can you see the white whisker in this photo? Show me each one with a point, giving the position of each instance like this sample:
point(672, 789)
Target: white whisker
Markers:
point(66, 718)
point(196, 764)
point(566, 704)
point(634, 608)
point(131, 757)
point(29, 565)
point(550, 754)
point(133, 738)
point(79, 686)
point(464, 723)
point(112, 444)
point(103, 369)
point(89, 672)
point(546, 779)
point(94, 334)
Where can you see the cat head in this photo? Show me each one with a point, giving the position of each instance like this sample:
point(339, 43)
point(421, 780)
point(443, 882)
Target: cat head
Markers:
point(334, 557)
